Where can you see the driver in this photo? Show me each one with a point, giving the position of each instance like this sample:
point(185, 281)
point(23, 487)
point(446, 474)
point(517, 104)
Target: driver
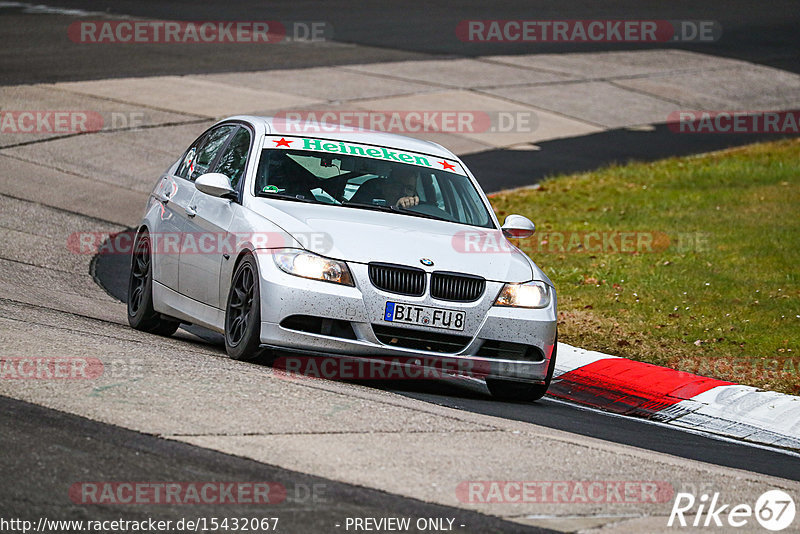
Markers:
point(401, 187)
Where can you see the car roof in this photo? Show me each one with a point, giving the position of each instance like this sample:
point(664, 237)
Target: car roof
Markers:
point(271, 126)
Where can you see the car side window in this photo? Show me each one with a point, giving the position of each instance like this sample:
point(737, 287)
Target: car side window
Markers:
point(188, 158)
point(233, 160)
point(201, 155)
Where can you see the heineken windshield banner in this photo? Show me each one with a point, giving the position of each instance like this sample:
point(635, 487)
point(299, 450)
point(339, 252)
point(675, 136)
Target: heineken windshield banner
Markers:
point(366, 151)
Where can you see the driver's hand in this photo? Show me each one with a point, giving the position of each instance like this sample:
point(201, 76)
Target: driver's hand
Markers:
point(407, 202)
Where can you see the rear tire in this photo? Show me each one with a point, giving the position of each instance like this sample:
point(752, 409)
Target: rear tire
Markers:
point(141, 314)
point(243, 312)
point(514, 391)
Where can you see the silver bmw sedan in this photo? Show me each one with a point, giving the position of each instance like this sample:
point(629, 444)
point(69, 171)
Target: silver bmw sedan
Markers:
point(346, 245)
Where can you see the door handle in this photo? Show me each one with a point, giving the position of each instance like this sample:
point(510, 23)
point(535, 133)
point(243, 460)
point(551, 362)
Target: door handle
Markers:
point(164, 197)
point(191, 211)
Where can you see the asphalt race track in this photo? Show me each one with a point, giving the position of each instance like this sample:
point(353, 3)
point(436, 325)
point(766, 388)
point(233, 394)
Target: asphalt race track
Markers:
point(180, 410)
point(504, 169)
point(72, 448)
point(383, 30)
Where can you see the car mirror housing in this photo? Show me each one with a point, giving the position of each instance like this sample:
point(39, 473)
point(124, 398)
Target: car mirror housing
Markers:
point(215, 184)
point(517, 226)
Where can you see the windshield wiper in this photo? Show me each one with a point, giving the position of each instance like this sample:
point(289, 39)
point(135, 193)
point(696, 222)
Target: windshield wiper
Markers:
point(366, 206)
point(392, 209)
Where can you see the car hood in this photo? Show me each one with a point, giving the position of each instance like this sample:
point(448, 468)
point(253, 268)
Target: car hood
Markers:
point(363, 236)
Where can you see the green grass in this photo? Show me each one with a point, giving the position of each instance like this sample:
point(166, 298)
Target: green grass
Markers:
point(720, 298)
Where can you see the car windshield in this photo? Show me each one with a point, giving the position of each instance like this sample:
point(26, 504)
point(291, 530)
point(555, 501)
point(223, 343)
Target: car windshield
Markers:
point(370, 183)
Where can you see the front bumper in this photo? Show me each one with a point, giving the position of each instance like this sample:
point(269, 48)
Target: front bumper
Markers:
point(284, 296)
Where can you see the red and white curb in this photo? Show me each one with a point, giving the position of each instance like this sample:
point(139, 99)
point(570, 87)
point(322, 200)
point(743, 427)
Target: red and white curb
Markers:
point(628, 387)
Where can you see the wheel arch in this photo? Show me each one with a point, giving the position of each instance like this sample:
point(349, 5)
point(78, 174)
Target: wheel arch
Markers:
point(141, 229)
point(247, 346)
point(226, 274)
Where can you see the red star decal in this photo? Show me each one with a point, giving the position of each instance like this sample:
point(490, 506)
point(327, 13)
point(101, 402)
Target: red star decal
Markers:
point(447, 166)
point(282, 142)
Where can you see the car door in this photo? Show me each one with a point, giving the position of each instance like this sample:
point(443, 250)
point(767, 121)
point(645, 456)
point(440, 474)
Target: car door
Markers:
point(175, 195)
point(208, 220)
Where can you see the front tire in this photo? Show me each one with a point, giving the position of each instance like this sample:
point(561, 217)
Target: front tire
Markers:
point(243, 312)
point(141, 314)
point(514, 391)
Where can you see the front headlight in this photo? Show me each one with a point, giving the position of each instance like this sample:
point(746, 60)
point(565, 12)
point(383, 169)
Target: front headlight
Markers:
point(526, 295)
point(308, 265)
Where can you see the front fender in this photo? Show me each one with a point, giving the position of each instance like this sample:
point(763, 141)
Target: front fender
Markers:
point(253, 242)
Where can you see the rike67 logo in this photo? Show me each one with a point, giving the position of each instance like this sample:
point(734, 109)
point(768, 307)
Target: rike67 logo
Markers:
point(774, 510)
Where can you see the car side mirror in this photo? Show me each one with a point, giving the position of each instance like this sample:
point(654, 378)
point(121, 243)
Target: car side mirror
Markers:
point(517, 226)
point(215, 184)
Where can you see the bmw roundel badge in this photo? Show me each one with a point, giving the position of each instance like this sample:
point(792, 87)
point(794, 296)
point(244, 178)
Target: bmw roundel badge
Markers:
point(426, 262)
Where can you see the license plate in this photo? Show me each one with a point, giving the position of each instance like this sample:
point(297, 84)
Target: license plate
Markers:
point(424, 316)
